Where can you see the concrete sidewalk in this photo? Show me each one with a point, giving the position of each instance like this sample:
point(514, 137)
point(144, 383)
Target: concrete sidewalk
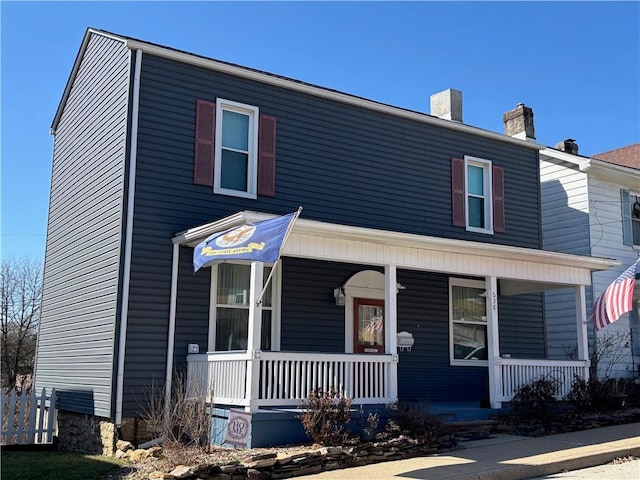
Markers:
point(507, 457)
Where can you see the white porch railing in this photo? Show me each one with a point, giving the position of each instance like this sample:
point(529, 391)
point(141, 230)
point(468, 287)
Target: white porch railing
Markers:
point(517, 372)
point(286, 378)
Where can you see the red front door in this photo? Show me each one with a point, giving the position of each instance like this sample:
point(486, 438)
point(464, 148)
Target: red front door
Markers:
point(368, 328)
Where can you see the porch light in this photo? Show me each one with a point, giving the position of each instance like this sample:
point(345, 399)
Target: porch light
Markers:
point(338, 294)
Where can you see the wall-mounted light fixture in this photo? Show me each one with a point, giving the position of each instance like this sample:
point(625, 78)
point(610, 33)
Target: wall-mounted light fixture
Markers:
point(338, 294)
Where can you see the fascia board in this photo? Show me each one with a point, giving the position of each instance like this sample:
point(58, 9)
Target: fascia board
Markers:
point(290, 84)
point(302, 226)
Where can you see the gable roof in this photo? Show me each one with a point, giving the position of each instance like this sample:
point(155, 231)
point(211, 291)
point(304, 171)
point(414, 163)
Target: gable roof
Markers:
point(281, 81)
point(628, 156)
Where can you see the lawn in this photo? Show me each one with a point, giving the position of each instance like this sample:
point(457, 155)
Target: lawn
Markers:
point(56, 466)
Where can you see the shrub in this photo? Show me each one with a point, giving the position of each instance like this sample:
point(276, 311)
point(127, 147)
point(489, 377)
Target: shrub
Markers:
point(326, 415)
point(532, 402)
point(416, 421)
point(186, 421)
point(593, 395)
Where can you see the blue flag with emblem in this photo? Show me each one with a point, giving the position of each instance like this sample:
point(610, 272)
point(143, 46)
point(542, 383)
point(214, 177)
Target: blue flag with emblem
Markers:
point(259, 241)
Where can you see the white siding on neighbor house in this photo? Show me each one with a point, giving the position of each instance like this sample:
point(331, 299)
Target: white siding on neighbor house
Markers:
point(82, 264)
point(565, 228)
point(607, 241)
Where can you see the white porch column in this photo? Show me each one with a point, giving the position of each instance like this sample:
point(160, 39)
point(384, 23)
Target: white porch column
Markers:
point(391, 327)
point(581, 324)
point(493, 340)
point(254, 332)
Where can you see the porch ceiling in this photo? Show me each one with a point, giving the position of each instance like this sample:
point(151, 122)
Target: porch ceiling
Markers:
point(330, 241)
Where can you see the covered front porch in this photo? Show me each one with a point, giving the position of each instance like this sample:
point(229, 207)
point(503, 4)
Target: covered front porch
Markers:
point(253, 377)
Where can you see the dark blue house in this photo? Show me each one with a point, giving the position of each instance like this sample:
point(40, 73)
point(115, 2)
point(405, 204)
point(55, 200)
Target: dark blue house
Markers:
point(415, 271)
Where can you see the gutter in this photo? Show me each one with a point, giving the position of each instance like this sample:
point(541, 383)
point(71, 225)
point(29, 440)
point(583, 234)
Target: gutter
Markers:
point(128, 238)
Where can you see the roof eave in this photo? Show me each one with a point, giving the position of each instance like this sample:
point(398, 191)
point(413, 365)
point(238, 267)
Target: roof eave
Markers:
point(289, 84)
point(193, 236)
point(74, 71)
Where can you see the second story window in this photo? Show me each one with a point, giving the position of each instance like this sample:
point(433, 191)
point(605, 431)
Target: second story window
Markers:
point(630, 217)
point(236, 164)
point(477, 195)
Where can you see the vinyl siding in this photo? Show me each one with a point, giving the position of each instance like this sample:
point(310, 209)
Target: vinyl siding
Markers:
point(565, 228)
point(606, 241)
point(82, 266)
point(344, 164)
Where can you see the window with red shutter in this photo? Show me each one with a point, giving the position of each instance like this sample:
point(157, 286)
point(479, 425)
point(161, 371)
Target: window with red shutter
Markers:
point(235, 149)
point(477, 195)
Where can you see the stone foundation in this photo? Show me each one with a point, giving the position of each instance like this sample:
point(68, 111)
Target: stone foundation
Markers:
point(79, 432)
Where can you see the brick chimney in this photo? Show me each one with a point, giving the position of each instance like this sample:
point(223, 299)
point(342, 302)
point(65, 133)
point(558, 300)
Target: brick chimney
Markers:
point(518, 123)
point(447, 105)
point(569, 145)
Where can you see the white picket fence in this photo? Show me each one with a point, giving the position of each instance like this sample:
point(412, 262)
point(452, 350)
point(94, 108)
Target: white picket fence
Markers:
point(27, 418)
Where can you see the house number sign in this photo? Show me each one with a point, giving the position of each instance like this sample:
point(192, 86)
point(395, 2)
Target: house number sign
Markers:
point(494, 301)
point(238, 428)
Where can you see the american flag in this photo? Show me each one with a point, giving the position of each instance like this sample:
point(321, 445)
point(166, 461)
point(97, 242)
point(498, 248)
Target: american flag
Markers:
point(617, 299)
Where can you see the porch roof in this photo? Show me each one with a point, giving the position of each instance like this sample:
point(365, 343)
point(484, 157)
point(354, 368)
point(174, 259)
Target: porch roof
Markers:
point(369, 236)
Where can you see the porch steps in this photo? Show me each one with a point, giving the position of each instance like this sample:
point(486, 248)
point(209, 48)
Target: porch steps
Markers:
point(472, 429)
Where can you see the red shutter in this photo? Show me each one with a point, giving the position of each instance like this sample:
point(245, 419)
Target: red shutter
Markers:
point(205, 139)
point(498, 200)
point(267, 156)
point(457, 193)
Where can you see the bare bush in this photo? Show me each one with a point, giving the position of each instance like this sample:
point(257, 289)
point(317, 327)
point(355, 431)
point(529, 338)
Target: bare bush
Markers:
point(185, 421)
point(326, 416)
point(609, 351)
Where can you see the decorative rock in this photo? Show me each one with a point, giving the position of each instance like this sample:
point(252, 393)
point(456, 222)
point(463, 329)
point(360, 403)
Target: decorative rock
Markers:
point(156, 475)
point(119, 454)
point(181, 471)
point(254, 474)
point(155, 452)
point(123, 445)
point(262, 463)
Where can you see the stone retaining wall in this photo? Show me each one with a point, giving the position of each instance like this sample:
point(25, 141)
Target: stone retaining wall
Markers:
point(79, 432)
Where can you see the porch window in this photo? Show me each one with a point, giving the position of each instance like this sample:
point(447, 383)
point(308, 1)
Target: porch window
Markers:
point(231, 321)
point(468, 322)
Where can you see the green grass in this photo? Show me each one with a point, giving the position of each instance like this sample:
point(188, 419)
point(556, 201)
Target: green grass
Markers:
point(56, 466)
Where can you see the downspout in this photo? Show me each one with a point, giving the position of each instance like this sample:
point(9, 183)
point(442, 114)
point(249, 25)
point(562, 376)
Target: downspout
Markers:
point(128, 238)
point(172, 325)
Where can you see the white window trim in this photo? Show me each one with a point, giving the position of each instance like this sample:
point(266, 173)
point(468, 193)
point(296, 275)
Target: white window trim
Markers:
point(252, 167)
point(486, 165)
point(632, 195)
point(276, 298)
point(463, 282)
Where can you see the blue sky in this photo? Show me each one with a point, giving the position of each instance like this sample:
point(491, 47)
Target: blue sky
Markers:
point(577, 64)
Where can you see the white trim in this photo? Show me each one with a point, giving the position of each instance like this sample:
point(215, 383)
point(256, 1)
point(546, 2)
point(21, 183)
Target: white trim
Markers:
point(252, 161)
point(321, 92)
point(315, 228)
point(128, 238)
point(171, 335)
point(487, 181)
point(463, 282)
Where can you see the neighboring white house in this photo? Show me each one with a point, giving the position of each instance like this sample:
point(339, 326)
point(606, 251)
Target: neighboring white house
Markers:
point(591, 206)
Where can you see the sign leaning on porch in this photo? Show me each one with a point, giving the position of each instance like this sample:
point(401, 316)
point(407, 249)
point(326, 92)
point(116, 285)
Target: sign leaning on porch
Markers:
point(259, 241)
point(617, 299)
point(238, 428)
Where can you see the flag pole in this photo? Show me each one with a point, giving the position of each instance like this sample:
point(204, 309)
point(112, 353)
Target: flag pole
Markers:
point(275, 265)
